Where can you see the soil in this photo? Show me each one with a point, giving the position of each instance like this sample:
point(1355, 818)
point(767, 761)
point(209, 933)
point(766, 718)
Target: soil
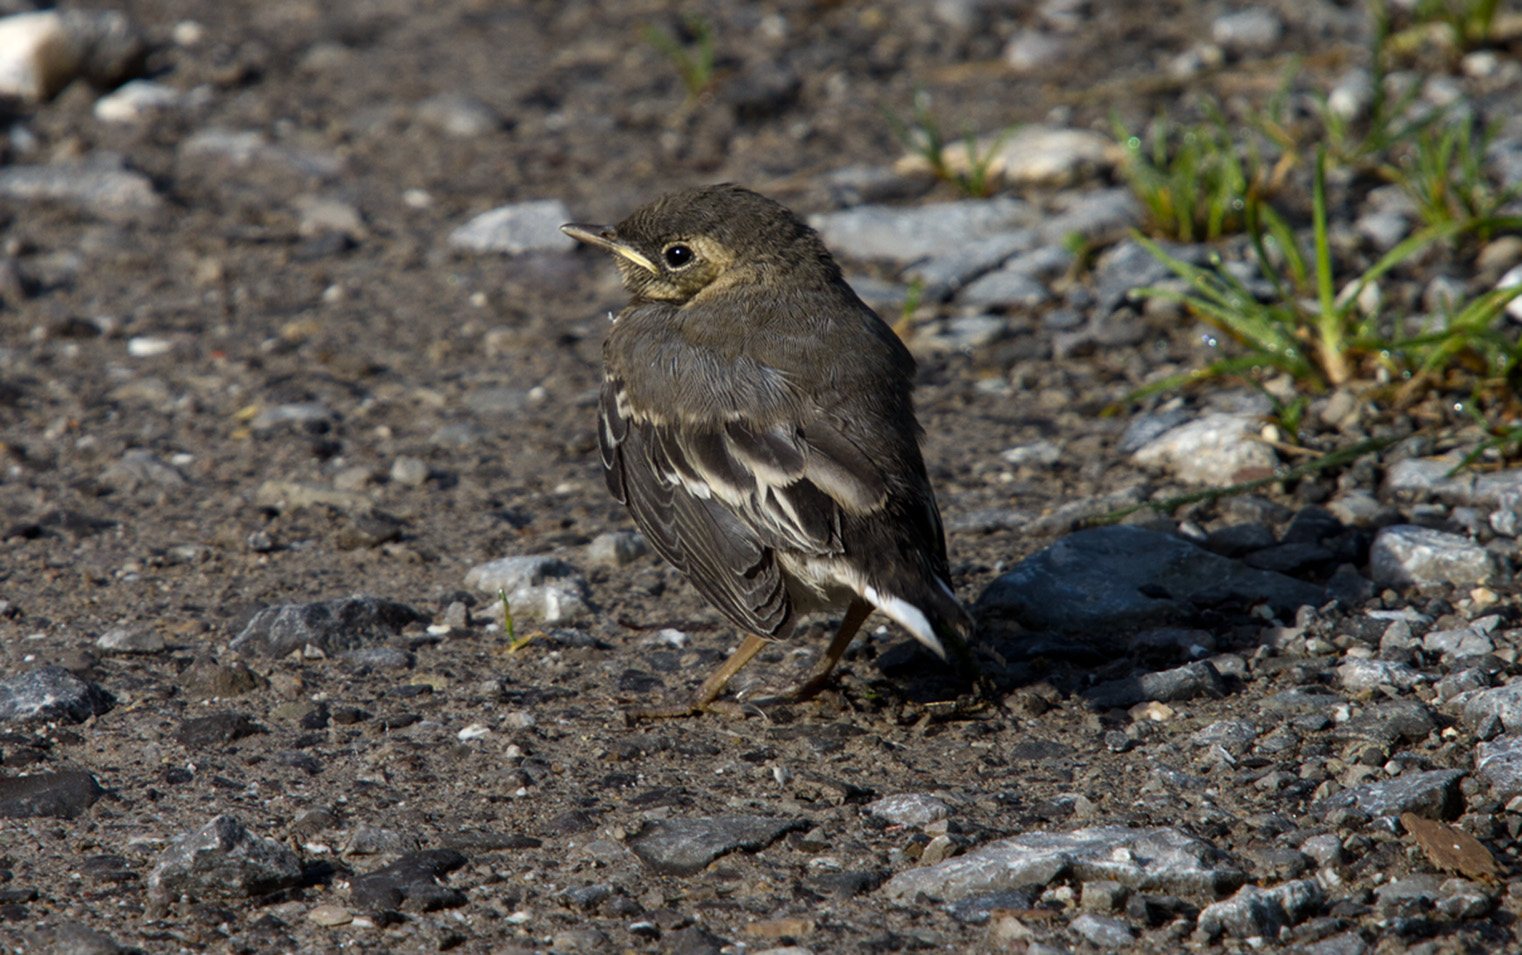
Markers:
point(397, 337)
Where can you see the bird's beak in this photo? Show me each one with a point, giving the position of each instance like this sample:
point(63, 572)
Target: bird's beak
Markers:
point(605, 237)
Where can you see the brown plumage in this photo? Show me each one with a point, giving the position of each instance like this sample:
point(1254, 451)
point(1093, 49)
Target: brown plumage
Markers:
point(757, 420)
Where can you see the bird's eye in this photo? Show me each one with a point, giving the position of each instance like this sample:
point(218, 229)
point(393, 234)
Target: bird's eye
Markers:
point(678, 256)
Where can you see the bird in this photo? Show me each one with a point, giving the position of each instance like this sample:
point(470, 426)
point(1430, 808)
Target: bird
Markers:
point(756, 418)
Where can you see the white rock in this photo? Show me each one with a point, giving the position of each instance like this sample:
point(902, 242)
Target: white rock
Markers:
point(38, 56)
point(1408, 554)
point(1214, 449)
point(137, 101)
point(1511, 279)
point(516, 229)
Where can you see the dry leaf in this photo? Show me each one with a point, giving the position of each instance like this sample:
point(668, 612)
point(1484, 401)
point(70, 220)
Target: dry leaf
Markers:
point(1452, 848)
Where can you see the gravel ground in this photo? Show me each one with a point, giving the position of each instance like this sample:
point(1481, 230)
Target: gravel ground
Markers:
point(279, 414)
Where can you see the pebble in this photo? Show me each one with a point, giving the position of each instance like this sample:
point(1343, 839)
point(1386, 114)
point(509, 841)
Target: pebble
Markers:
point(1104, 933)
point(1252, 31)
point(130, 640)
point(332, 626)
point(51, 693)
point(1405, 554)
point(542, 588)
point(1357, 675)
point(329, 915)
point(1156, 859)
point(101, 183)
point(1434, 793)
point(42, 52)
point(409, 471)
point(517, 229)
point(616, 548)
point(1215, 449)
point(138, 101)
point(1260, 913)
point(222, 860)
point(684, 846)
point(1031, 51)
point(1129, 577)
point(459, 115)
point(909, 809)
point(66, 794)
point(413, 882)
point(905, 235)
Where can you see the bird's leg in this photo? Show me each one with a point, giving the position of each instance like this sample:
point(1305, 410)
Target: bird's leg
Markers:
point(711, 687)
point(856, 615)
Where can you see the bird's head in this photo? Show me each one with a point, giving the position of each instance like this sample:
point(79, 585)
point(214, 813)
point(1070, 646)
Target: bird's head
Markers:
point(709, 238)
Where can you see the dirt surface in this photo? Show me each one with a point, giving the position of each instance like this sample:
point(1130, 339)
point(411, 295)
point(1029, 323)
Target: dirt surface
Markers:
point(484, 367)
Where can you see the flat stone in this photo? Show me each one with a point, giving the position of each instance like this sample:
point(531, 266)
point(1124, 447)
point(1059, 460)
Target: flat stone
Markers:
point(540, 588)
point(1459, 642)
point(1260, 913)
point(51, 693)
point(1180, 683)
point(1150, 860)
point(909, 809)
point(411, 882)
point(1214, 449)
point(1357, 675)
point(908, 234)
point(1103, 932)
point(1434, 793)
point(1499, 763)
point(222, 860)
point(101, 183)
point(686, 845)
point(517, 229)
point(1126, 577)
point(64, 795)
point(1501, 705)
point(1405, 554)
point(332, 626)
point(216, 729)
point(129, 641)
point(617, 548)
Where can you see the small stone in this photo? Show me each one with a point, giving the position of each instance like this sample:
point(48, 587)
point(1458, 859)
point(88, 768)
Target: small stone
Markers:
point(64, 795)
point(685, 846)
point(222, 860)
point(329, 915)
point(1260, 913)
point(1405, 554)
point(616, 548)
point(1106, 934)
point(1433, 793)
point(137, 101)
point(409, 471)
point(413, 881)
point(332, 626)
point(517, 229)
point(130, 640)
point(909, 809)
point(1252, 31)
point(51, 693)
point(460, 116)
point(1215, 449)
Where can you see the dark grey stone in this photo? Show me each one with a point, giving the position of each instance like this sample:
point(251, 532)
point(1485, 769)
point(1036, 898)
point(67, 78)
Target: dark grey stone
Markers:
point(1129, 577)
point(1180, 683)
point(685, 846)
point(332, 626)
point(65, 794)
point(1260, 913)
point(51, 693)
point(412, 882)
point(1434, 794)
point(222, 860)
point(1154, 859)
point(217, 729)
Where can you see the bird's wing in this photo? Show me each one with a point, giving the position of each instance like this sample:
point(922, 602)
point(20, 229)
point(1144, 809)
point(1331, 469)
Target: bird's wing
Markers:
point(649, 469)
